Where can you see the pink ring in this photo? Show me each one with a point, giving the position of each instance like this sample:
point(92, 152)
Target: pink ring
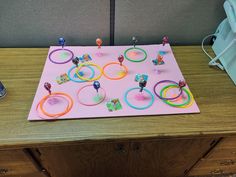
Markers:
point(94, 104)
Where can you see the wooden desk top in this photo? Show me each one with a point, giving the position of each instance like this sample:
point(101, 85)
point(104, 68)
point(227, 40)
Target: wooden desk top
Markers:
point(21, 69)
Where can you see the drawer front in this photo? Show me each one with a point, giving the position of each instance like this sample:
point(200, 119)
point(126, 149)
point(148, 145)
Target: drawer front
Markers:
point(229, 153)
point(216, 163)
point(16, 169)
point(213, 171)
point(8, 156)
point(229, 142)
point(15, 162)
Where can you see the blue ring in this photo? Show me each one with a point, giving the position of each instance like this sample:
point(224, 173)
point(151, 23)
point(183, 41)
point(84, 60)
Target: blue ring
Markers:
point(80, 81)
point(135, 107)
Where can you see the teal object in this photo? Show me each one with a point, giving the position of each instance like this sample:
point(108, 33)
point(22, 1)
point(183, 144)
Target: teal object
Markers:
point(225, 42)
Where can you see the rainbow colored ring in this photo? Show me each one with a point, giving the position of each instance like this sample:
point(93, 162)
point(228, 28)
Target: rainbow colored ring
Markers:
point(186, 106)
point(80, 81)
point(114, 78)
point(136, 61)
point(56, 50)
point(166, 98)
point(60, 94)
point(174, 104)
point(89, 64)
point(94, 104)
point(135, 107)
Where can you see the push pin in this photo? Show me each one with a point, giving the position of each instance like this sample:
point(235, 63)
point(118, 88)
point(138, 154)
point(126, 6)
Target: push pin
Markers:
point(121, 59)
point(62, 42)
point(99, 42)
point(75, 61)
point(48, 86)
point(96, 85)
point(165, 40)
point(182, 84)
point(3, 90)
point(142, 84)
point(135, 40)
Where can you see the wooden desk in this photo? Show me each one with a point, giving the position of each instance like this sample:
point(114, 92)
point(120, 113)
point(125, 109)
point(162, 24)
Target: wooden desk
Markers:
point(20, 70)
point(176, 142)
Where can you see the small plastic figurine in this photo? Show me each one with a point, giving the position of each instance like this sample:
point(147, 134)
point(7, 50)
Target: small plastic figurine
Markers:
point(182, 84)
point(96, 85)
point(135, 40)
point(62, 42)
point(142, 84)
point(48, 86)
point(75, 61)
point(165, 40)
point(121, 59)
point(159, 60)
point(99, 42)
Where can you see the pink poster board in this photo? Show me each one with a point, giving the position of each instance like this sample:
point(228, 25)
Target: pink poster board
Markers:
point(113, 88)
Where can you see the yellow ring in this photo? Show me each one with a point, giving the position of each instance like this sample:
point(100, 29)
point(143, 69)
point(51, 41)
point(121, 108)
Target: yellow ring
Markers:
point(88, 79)
point(186, 106)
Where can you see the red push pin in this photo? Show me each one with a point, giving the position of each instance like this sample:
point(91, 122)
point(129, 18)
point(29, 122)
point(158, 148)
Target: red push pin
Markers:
point(99, 42)
point(48, 86)
point(182, 84)
point(165, 40)
point(121, 59)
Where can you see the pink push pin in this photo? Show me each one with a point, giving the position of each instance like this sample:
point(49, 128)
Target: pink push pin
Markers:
point(165, 40)
point(182, 84)
point(48, 87)
point(121, 59)
point(99, 42)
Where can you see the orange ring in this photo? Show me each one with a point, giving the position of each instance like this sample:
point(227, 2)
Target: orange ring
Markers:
point(114, 78)
point(68, 108)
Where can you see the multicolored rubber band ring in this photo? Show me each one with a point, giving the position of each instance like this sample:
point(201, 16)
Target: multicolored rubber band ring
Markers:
point(137, 48)
point(89, 64)
point(80, 81)
point(63, 62)
point(186, 106)
point(115, 78)
point(68, 108)
point(175, 104)
point(93, 104)
point(136, 107)
point(166, 98)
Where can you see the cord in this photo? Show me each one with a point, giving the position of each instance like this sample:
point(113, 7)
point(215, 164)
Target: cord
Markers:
point(213, 60)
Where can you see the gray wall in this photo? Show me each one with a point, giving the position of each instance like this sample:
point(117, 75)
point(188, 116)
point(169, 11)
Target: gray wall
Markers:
point(38, 23)
point(184, 21)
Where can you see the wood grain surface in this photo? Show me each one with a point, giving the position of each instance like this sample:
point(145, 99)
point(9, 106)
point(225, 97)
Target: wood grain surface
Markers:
point(20, 71)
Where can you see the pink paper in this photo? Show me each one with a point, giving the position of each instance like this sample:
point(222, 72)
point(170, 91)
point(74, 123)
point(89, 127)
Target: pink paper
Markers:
point(114, 88)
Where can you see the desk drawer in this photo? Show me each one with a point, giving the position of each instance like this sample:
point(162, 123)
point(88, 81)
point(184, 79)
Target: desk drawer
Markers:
point(11, 169)
point(16, 163)
point(218, 153)
point(225, 143)
point(214, 167)
point(212, 171)
point(7, 156)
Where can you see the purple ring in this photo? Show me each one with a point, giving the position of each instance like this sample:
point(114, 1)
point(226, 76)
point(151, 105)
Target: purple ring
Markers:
point(164, 81)
point(72, 56)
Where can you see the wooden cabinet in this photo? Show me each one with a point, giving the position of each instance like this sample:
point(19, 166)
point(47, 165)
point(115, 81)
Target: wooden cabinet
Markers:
point(144, 158)
point(220, 160)
point(15, 163)
point(136, 158)
point(87, 160)
point(179, 155)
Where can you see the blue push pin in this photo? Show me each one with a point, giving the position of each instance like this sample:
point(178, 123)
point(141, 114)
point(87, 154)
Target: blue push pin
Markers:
point(96, 85)
point(62, 42)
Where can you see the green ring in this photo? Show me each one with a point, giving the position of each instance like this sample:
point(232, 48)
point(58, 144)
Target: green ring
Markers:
point(172, 104)
point(136, 61)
